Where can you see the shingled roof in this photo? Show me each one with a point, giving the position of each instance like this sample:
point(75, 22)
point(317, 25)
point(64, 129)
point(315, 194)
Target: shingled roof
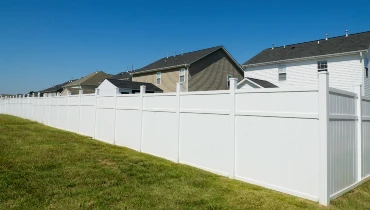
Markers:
point(340, 44)
point(122, 76)
point(56, 88)
point(93, 79)
point(180, 60)
point(262, 83)
point(134, 85)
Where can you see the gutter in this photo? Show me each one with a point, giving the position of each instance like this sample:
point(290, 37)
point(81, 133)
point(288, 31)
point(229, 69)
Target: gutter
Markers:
point(305, 58)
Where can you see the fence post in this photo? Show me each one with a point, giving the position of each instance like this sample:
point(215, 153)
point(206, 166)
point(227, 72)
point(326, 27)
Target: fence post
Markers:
point(32, 105)
point(38, 105)
point(115, 115)
point(178, 98)
point(28, 107)
point(57, 125)
point(358, 90)
point(96, 110)
point(68, 93)
point(324, 197)
point(233, 87)
point(21, 105)
point(80, 92)
point(142, 92)
point(50, 98)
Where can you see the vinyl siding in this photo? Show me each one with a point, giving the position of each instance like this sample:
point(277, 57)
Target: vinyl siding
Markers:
point(367, 80)
point(169, 78)
point(210, 73)
point(344, 73)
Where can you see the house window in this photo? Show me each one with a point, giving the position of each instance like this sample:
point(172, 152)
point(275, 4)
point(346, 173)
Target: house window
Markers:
point(282, 73)
point(159, 78)
point(182, 75)
point(228, 79)
point(322, 66)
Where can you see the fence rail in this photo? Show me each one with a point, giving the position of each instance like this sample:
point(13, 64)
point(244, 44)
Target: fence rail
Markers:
point(311, 142)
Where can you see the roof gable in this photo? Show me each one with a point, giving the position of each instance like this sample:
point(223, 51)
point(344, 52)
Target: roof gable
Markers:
point(123, 76)
point(56, 88)
point(93, 79)
point(132, 85)
point(181, 59)
point(335, 45)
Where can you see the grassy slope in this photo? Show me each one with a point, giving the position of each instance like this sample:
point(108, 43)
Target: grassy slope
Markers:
point(42, 167)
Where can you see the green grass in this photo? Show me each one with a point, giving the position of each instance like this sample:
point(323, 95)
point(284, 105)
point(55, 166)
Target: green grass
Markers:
point(46, 168)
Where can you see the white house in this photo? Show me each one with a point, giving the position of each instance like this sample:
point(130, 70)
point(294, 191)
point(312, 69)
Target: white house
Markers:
point(346, 58)
point(111, 86)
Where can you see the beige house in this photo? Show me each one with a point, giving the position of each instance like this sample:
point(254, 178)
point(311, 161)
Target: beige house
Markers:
point(202, 70)
point(87, 83)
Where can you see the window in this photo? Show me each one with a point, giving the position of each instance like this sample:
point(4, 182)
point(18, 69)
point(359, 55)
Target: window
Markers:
point(228, 79)
point(182, 75)
point(159, 78)
point(282, 73)
point(322, 66)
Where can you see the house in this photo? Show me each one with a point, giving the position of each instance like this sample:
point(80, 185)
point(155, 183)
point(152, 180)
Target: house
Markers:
point(346, 58)
point(56, 88)
point(87, 83)
point(110, 86)
point(122, 76)
point(207, 69)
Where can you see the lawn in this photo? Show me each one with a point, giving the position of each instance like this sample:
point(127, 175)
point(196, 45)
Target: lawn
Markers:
point(46, 168)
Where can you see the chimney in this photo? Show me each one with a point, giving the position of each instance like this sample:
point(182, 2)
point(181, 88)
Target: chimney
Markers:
point(346, 33)
point(326, 38)
point(272, 46)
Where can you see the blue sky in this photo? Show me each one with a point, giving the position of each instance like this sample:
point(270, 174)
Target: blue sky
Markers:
point(47, 42)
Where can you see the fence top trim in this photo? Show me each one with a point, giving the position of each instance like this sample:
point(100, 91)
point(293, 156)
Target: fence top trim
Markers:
point(276, 90)
point(365, 98)
point(217, 92)
point(342, 92)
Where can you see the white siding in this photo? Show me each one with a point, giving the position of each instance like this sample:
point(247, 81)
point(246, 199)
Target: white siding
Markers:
point(106, 88)
point(345, 72)
point(367, 80)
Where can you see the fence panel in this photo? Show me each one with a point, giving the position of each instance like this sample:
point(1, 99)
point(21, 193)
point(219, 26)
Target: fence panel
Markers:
point(87, 115)
point(40, 109)
point(277, 140)
point(342, 142)
point(365, 137)
point(62, 112)
point(128, 121)
point(159, 126)
point(105, 119)
point(204, 131)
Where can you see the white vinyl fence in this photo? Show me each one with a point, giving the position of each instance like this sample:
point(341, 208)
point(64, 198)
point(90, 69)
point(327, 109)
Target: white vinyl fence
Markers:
point(311, 142)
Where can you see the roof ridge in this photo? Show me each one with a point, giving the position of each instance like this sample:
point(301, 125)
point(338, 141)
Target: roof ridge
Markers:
point(319, 40)
point(163, 58)
point(219, 46)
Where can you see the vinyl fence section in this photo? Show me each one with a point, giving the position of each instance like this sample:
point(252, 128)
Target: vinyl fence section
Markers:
point(311, 142)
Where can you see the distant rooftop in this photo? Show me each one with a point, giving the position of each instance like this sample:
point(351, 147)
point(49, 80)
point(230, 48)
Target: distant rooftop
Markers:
point(334, 45)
